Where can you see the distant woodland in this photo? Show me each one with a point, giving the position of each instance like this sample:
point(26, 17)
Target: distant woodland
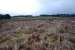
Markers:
point(7, 16)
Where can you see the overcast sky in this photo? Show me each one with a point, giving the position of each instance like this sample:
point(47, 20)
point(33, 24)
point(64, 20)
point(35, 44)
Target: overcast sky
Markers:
point(36, 7)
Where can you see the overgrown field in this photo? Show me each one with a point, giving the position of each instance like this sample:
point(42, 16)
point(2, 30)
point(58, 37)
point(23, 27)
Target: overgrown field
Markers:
point(50, 34)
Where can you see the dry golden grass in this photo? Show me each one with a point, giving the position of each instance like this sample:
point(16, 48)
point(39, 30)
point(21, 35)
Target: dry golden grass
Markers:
point(43, 35)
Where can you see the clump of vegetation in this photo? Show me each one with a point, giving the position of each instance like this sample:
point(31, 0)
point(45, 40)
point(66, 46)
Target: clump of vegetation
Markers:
point(4, 39)
point(64, 28)
point(51, 38)
point(25, 31)
point(61, 30)
point(39, 30)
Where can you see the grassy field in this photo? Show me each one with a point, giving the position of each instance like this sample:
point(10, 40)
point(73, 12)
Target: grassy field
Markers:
point(38, 33)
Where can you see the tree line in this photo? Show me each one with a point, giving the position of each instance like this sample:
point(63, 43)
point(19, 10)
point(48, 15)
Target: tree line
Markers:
point(6, 16)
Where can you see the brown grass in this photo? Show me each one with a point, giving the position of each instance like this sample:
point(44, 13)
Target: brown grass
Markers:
point(38, 35)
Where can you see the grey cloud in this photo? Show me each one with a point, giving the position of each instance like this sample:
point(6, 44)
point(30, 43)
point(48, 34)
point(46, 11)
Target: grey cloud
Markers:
point(53, 7)
point(57, 6)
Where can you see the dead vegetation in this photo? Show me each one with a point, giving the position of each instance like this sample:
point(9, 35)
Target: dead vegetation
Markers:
point(38, 35)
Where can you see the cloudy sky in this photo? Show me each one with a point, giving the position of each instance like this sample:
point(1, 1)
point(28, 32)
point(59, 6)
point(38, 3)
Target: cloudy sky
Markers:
point(36, 7)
